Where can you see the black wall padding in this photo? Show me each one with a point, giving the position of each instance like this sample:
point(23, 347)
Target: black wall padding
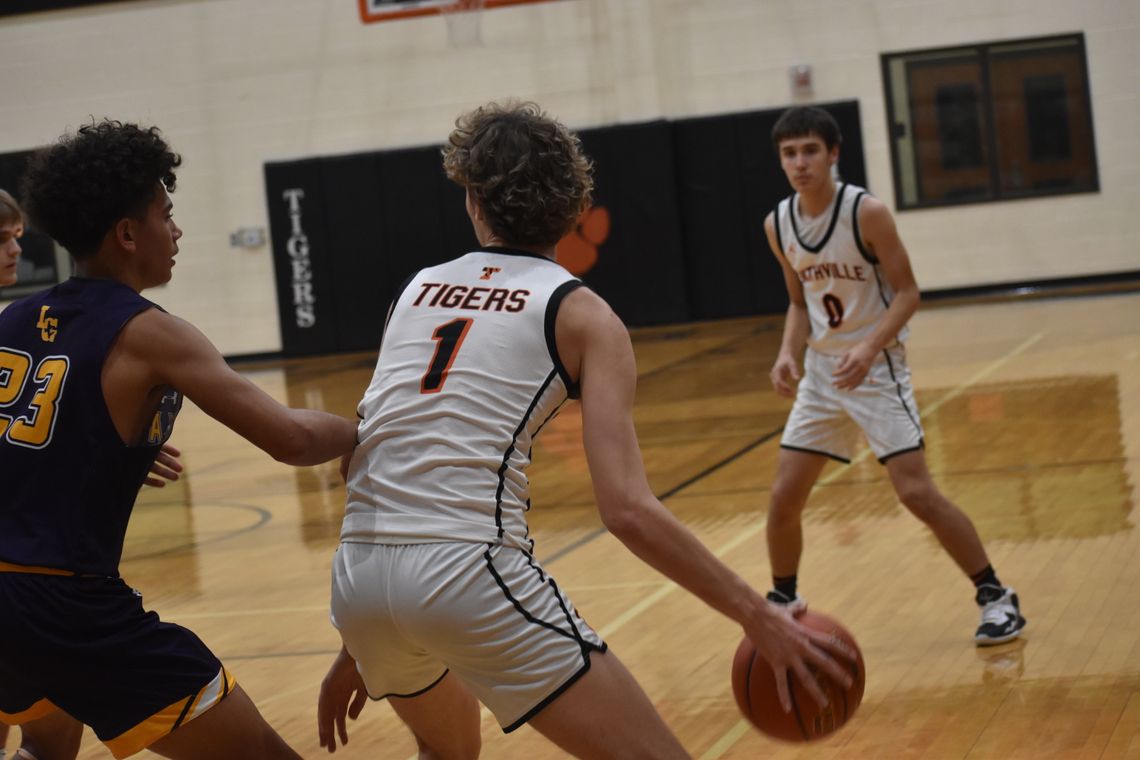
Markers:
point(301, 257)
point(687, 200)
point(641, 269)
point(352, 197)
point(728, 179)
point(390, 214)
point(370, 221)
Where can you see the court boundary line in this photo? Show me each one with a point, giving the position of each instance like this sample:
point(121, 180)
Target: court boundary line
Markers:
point(598, 532)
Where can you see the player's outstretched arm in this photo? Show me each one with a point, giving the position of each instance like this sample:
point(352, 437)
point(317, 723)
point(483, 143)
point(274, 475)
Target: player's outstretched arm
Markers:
point(157, 349)
point(594, 345)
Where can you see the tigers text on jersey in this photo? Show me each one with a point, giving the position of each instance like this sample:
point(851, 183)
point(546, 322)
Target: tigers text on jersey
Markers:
point(69, 480)
point(846, 294)
point(467, 376)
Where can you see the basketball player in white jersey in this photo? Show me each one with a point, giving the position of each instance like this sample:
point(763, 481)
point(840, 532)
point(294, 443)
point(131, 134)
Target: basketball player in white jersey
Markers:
point(436, 592)
point(852, 292)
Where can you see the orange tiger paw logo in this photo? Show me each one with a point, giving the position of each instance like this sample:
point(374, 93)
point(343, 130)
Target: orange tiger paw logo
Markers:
point(578, 251)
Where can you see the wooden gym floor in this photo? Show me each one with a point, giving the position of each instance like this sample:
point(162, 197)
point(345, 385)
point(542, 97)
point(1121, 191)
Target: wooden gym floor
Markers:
point(1032, 415)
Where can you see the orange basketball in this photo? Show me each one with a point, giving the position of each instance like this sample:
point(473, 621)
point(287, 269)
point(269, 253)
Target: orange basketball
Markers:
point(754, 685)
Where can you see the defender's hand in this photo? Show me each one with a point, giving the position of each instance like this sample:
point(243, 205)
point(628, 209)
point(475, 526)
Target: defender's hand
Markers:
point(166, 467)
point(342, 693)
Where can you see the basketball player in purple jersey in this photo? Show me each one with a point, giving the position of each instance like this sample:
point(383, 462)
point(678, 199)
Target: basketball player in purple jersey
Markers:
point(63, 738)
point(92, 376)
point(852, 292)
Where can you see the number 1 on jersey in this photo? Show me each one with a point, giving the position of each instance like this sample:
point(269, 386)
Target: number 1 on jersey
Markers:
point(448, 337)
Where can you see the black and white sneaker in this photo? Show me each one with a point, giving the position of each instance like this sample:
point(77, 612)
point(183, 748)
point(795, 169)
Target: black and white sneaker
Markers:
point(1001, 616)
point(781, 599)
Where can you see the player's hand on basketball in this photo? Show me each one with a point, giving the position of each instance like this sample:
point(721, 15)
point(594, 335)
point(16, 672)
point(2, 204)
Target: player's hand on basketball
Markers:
point(166, 467)
point(785, 374)
point(789, 646)
point(342, 693)
point(853, 367)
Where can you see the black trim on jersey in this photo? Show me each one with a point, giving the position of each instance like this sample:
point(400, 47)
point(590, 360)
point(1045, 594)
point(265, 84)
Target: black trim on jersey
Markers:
point(582, 642)
point(776, 224)
point(921, 445)
point(552, 305)
point(404, 286)
point(882, 291)
point(396, 297)
point(827, 454)
point(511, 448)
point(902, 399)
point(425, 689)
point(586, 646)
point(870, 257)
point(513, 252)
point(553, 696)
point(571, 635)
point(190, 700)
point(534, 435)
point(534, 565)
point(830, 227)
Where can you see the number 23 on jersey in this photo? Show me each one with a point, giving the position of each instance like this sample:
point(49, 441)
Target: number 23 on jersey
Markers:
point(33, 428)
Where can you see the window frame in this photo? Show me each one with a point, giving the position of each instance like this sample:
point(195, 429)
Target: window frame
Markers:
point(982, 52)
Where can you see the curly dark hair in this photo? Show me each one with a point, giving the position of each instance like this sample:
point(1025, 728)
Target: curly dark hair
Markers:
point(523, 168)
point(802, 121)
point(76, 189)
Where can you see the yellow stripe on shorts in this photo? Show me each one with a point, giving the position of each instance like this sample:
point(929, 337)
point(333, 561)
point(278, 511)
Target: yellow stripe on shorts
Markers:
point(168, 719)
point(36, 711)
point(8, 567)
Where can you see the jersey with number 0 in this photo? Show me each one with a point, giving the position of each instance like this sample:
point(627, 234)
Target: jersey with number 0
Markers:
point(846, 294)
point(467, 376)
point(69, 480)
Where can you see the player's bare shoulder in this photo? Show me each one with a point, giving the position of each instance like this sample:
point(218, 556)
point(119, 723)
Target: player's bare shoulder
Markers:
point(584, 310)
point(871, 208)
point(877, 227)
point(586, 320)
point(155, 332)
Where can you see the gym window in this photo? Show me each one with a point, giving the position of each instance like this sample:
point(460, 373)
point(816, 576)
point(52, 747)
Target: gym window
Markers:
point(990, 122)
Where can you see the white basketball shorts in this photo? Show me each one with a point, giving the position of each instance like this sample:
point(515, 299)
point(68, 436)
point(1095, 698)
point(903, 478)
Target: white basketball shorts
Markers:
point(826, 420)
point(489, 614)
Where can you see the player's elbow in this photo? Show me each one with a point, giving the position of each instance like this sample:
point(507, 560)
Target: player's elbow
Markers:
point(309, 437)
point(626, 520)
point(294, 445)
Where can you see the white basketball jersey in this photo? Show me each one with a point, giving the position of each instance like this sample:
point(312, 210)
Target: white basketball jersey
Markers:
point(846, 293)
point(468, 374)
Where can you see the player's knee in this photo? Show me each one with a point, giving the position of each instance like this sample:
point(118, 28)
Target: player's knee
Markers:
point(788, 498)
point(784, 507)
point(921, 499)
point(463, 745)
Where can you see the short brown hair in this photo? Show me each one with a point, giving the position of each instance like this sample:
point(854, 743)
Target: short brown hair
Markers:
point(10, 211)
point(804, 121)
point(524, 169)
